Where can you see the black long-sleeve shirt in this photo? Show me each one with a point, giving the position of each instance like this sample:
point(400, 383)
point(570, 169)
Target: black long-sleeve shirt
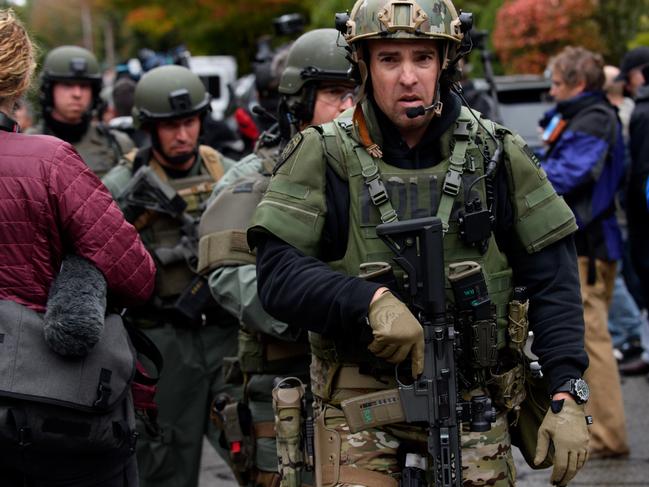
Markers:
point(305, 291)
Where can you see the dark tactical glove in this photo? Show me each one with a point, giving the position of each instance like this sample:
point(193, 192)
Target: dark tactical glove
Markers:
point(565, 426)
point(397, 332)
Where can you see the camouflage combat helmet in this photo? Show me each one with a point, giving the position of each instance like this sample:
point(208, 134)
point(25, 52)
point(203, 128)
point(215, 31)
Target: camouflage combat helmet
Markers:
point(317, 56)
point(70, 63)
point(404, 19)
point(169, 92)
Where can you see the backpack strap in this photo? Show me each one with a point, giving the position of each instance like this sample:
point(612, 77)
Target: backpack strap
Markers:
point(339, 131)
point(145, 346)
point(212, 160)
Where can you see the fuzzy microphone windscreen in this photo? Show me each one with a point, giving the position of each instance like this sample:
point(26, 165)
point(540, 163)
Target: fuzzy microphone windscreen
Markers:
point(76, 307)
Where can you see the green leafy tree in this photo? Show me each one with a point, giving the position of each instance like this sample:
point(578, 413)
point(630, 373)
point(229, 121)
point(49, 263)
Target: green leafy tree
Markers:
point(623, 25)
point(529, 32)
point(205, 26)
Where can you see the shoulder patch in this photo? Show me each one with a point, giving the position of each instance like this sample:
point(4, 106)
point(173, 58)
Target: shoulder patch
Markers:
point(293, 144)
point(530, 153)
point(245, 187)
point(520, 142)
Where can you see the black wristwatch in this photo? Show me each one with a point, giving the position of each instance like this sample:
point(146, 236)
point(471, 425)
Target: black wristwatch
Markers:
point(577, 388)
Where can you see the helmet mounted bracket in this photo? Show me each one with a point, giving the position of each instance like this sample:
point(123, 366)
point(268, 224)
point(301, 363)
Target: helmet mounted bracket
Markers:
point(180, 100)
point(402, 15)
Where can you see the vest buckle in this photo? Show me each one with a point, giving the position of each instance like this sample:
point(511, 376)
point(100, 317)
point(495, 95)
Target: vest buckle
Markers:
point(377, 191)
point(462, 129)
point(452, 182)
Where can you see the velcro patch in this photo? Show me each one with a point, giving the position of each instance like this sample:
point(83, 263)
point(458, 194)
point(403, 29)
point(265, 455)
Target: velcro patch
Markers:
point(530, 153)
point(244, 187)
point(293, 144)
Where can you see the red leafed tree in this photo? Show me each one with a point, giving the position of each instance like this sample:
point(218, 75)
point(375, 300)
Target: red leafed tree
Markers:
point(528, 32)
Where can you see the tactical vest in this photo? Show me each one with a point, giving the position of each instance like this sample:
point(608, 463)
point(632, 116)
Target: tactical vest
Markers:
point(223, 243)
point(100, 147)
point(411, 194)
point(164, 232)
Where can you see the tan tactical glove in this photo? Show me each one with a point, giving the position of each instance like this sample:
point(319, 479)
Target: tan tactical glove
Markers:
point(397, 332)
point(567, 430)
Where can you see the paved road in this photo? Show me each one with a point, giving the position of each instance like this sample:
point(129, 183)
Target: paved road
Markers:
point(633, 471)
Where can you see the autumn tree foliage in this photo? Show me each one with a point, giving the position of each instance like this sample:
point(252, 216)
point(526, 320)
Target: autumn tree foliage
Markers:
point(528, 32)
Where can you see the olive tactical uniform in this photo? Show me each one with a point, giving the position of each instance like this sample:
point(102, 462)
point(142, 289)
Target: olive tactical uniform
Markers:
point(296, 210)
point(193, 347)
point(99, 147)
point(268, 348)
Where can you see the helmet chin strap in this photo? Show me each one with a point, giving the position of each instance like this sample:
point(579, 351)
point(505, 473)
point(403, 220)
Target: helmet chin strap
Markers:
point(438, 106)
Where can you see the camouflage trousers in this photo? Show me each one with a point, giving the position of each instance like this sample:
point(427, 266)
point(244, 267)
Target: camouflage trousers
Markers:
point(486, 457)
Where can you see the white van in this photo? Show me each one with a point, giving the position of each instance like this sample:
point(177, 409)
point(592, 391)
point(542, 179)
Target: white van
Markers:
point(216, 73)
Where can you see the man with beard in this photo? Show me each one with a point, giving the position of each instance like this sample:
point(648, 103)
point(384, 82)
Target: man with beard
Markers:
point(409, 151)
point(69, 93)
point(192, 334)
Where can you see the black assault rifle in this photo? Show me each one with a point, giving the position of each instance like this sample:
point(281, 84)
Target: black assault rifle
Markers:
point(147, 194)
point(432, 399)
point(142, 199)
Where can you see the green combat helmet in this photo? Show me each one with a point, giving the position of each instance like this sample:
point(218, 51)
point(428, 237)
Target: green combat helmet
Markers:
point(405, 19)
point(69, 63)
point(317, 56)
point(169, 92)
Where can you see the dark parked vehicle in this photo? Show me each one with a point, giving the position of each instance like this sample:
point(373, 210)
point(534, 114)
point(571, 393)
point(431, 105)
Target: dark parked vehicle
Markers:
point(522, 101)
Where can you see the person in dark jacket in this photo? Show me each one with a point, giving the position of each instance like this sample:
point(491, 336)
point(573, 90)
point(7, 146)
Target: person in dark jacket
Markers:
point(52, 205)
point(585, 163)
point(635, 72)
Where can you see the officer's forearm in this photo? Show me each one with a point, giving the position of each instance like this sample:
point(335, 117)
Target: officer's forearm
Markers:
point(556, 313)
point(235, 289)
point(306, 292)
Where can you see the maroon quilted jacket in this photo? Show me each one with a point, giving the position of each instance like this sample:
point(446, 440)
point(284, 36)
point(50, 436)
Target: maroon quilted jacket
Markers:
point(52, 204)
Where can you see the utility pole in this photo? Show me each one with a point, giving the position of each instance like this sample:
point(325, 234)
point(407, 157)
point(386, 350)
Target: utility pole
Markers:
point(86, 25)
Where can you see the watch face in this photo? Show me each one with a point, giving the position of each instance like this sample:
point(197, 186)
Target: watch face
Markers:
point(582, 390)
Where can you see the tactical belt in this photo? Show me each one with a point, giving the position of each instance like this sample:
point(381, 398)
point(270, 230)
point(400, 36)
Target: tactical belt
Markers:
point(278, 350)
point(355, 476)
point(265, 429)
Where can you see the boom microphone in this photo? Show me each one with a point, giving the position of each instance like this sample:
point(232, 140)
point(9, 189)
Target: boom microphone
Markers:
point(419, 111)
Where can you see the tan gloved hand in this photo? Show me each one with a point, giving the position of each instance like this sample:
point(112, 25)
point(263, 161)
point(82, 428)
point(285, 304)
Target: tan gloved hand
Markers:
point(397, 332)
point(568, 432)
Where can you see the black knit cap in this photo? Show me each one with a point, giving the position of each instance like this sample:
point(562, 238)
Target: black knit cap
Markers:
point(635, 58)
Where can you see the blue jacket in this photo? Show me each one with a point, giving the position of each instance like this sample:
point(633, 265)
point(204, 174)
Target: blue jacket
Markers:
point(585, 163)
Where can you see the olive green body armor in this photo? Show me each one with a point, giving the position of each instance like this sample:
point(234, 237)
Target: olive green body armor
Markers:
point(223, 243)
point(294, 209)
point(165, 232)
point(412, 194)
point(100, 147)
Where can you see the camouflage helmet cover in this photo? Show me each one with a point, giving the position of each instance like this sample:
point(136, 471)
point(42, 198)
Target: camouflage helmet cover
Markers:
point(318, 55)
point(169, 92)
point(71, 63)
point(404, 19)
